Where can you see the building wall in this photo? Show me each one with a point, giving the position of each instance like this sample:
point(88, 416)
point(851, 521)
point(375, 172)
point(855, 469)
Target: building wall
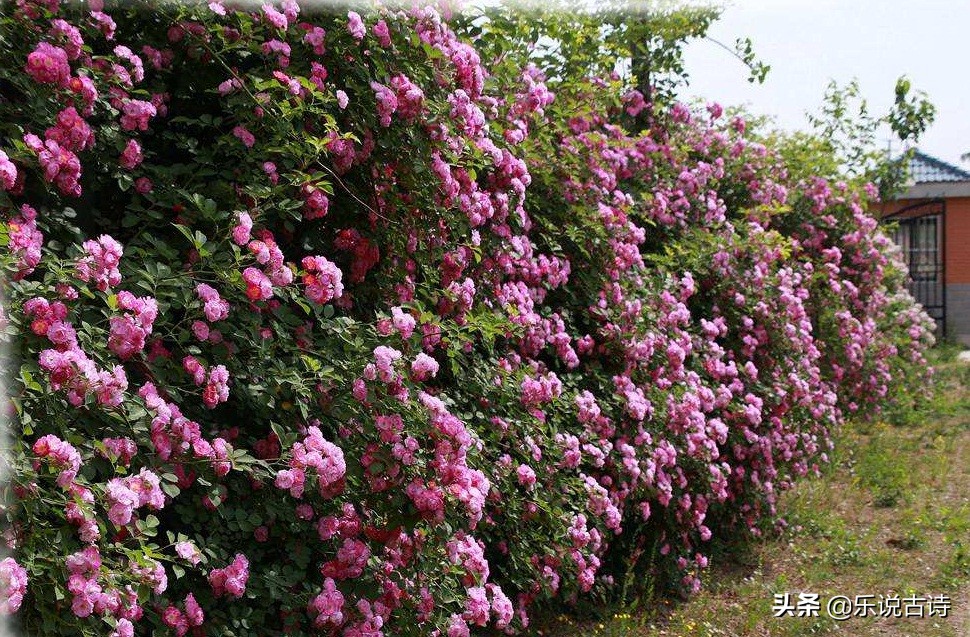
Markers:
point(958, 241)
point(956, 261)
point(958, 312)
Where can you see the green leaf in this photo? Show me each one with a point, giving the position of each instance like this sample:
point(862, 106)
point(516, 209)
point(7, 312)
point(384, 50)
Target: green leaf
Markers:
point(29, 381)
point(185, 232)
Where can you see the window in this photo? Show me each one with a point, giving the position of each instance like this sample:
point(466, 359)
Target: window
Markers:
point(920, 241)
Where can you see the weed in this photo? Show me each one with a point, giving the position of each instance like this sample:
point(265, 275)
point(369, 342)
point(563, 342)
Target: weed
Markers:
point(882, 469)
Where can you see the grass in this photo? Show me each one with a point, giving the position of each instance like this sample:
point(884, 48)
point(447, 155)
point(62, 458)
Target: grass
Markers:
point(891, 516)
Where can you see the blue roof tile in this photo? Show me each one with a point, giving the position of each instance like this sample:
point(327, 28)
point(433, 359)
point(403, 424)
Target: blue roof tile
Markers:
point(924, 169)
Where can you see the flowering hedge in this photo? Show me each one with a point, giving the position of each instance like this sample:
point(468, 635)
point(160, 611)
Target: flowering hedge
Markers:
point(324, 324)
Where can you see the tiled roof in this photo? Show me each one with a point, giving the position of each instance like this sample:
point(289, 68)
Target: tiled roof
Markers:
point(924, 169)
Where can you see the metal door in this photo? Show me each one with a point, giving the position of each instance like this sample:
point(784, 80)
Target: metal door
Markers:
point(920, 234)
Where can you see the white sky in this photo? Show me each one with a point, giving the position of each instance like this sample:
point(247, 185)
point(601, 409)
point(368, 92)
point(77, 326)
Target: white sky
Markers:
point(809, 42)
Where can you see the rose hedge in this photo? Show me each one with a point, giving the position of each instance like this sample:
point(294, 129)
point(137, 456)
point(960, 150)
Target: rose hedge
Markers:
point(323, 324)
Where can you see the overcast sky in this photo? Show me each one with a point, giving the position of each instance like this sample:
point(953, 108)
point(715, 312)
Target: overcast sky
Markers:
point(809, 42)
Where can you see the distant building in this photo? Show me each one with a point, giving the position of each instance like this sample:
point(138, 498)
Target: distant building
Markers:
point(933, 217)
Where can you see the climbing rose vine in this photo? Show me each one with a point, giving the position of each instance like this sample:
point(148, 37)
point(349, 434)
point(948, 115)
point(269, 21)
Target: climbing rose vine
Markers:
point(321, 323)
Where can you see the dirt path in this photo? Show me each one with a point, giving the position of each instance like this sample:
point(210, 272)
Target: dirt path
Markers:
point(958, 493)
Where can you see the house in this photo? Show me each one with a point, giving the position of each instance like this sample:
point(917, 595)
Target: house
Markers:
point(932, 218)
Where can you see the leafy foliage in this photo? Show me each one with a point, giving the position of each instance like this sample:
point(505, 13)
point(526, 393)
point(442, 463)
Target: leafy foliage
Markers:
point(331, 324)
